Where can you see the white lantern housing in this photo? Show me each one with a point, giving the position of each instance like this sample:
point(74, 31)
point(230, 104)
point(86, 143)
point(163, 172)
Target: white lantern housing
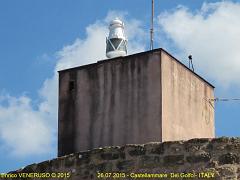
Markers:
point(116, 40)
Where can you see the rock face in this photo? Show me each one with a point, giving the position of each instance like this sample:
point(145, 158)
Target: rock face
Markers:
point(217, 158)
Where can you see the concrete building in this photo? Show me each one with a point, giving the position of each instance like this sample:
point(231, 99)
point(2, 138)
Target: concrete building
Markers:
point(140, 98)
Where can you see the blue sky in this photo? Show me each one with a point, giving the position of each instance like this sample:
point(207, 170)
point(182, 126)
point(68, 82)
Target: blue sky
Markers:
point(37, 38)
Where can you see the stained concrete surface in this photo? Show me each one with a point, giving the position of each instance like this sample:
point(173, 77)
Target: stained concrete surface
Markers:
point(140, 98)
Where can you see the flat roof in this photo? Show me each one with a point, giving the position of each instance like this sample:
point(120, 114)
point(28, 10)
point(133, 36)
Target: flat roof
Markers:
point(137, 54)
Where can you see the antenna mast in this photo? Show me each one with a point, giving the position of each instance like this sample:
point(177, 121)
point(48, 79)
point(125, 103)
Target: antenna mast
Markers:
point(151, 30)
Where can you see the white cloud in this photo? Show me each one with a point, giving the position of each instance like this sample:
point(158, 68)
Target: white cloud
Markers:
point(212, 35)
point(23, 129)
point(28, 131)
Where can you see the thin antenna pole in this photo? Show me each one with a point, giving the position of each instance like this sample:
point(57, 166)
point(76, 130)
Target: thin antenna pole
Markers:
point(151, 30)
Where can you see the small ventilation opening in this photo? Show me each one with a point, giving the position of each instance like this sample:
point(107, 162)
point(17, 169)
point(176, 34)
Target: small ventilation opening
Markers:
point(71, 85)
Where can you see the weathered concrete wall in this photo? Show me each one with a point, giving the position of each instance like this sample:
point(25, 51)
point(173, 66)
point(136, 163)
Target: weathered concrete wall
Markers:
point(114, 102)
point(186, 111)
point(140, 98)
point(199, 158)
